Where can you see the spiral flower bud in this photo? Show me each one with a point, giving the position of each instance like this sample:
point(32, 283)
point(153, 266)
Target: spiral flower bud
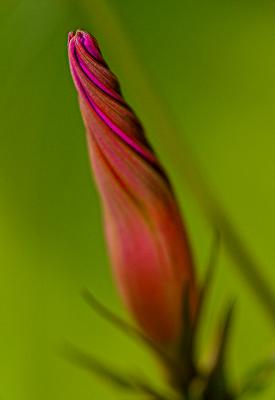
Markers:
point(148, 246)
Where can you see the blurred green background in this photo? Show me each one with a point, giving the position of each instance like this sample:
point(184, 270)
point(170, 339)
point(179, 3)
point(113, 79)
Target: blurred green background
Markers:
point(212, 64)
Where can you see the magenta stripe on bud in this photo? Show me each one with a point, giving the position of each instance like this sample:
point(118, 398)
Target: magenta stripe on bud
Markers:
point(146, 237)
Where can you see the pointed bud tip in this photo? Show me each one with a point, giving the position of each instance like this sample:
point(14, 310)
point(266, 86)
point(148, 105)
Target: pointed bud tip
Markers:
point(85, 40)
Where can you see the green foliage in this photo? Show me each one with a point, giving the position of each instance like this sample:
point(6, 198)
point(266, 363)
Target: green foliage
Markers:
point(258, 379)
point(213, 65)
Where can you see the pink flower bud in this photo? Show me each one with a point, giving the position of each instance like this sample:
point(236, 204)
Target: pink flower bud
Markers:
point(148, 246)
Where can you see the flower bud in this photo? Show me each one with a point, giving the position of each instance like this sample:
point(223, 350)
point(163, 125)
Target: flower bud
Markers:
point(147, 241)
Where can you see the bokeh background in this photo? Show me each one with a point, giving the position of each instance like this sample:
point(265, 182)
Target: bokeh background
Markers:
point(211, 64)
